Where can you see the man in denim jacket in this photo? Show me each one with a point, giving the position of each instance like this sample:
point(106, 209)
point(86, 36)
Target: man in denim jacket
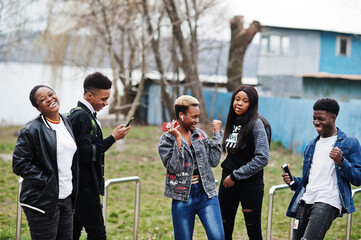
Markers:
point(331, 162)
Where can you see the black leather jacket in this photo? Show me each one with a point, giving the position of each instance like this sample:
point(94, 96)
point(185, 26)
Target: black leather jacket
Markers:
point(35, 160)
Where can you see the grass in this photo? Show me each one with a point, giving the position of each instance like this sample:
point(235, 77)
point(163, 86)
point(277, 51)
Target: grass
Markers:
point(138, 156)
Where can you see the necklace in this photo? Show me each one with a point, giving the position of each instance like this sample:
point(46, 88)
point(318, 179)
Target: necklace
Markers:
point(52, 121)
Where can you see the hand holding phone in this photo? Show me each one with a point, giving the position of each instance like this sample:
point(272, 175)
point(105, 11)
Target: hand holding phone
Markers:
point(287, 170)
point(130, 121)
point(167, 125)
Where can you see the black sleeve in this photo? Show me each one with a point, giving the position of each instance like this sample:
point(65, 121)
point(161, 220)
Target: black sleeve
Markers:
point(82, 129)
point(24, 158)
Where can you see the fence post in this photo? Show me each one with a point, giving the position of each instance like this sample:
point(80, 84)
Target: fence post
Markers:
point(349, 216)
point(19, 212)
point(137, 199)
point(270, 208)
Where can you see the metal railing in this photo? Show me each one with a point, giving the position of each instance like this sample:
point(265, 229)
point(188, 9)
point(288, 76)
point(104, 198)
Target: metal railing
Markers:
point(272, 190)
point(137, 199)
point(19, 212)
point(348, 228)
point(270, 209)
point(107, 184)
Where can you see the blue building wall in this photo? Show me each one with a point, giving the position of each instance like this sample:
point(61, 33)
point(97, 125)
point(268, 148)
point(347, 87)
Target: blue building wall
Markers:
point(290, 119)
point(331, 63)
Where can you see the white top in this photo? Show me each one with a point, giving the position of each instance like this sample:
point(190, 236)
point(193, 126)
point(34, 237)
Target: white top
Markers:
point(66, 147)
point(322, 181)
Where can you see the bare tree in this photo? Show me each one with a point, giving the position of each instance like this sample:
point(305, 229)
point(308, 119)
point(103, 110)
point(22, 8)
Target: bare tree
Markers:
point(155, 38)
point(188, 63)
point(240, 39)
point(109, 26)
point(14, 21)
point(120, 32)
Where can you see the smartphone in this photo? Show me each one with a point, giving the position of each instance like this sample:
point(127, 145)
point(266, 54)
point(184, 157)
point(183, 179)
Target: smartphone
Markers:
point(287, 170)
point(130, 121)
point(166, 126)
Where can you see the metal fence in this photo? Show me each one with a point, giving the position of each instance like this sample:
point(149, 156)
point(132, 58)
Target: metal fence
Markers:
point(272, 191)
point(109, 182)
point(18, 216)
point(105, 198)
point(137, 199)
point(349, 216)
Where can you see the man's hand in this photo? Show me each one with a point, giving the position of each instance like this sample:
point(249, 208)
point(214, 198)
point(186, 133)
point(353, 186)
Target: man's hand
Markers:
point(120, 132)
point(217, 124)
point(228, 182)
point(286, 178)
point(336, 155)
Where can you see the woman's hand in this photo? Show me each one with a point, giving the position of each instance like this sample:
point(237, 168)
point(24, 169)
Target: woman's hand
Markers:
point(228, 182)
point(174, 131)
point(217, 124)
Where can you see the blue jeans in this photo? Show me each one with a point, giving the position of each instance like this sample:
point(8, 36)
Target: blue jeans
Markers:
point(60, 226)
point(313, 220)
point(207, 209)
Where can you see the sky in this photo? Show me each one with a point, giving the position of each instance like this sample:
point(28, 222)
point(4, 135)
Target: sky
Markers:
point(332, 15)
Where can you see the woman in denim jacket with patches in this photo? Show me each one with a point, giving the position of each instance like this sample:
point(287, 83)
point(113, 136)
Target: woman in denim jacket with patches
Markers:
point(188, 155)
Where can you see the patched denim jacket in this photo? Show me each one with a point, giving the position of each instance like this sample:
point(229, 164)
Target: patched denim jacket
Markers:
point(348, 172)
point(179, 163)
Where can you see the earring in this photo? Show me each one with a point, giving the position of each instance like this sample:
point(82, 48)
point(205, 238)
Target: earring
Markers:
point(182, 118)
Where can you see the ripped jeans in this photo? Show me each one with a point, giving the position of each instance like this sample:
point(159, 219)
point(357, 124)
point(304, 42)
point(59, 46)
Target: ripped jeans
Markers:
point(250, 194)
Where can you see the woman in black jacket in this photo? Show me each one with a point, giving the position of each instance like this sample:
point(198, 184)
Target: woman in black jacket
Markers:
point(246, 140)
point(45, 157)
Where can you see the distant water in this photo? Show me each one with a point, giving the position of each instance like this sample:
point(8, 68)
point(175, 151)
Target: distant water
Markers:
point(17, 79)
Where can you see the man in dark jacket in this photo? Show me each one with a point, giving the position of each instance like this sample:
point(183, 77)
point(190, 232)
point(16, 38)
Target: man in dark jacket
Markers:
point(91, 149)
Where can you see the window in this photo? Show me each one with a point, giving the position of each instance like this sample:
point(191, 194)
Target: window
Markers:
point(343, 46)
point(275, 44)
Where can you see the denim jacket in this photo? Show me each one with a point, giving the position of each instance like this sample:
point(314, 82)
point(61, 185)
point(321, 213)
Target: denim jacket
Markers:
point(179, 163)
point(349, 171)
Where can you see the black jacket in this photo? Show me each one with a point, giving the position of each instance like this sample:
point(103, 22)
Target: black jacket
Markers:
point(91, 148)
point(35, 160)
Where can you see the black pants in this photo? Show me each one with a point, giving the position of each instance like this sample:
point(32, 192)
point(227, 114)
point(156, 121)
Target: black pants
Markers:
point(88, 214)
point(60, 226)
point(313, 220)
point(250, 194)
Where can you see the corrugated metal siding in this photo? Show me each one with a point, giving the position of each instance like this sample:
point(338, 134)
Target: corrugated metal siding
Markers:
point(291, 119)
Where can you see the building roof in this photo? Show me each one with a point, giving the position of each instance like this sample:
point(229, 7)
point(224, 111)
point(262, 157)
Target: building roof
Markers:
point(331, 75)
point(311, 29)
